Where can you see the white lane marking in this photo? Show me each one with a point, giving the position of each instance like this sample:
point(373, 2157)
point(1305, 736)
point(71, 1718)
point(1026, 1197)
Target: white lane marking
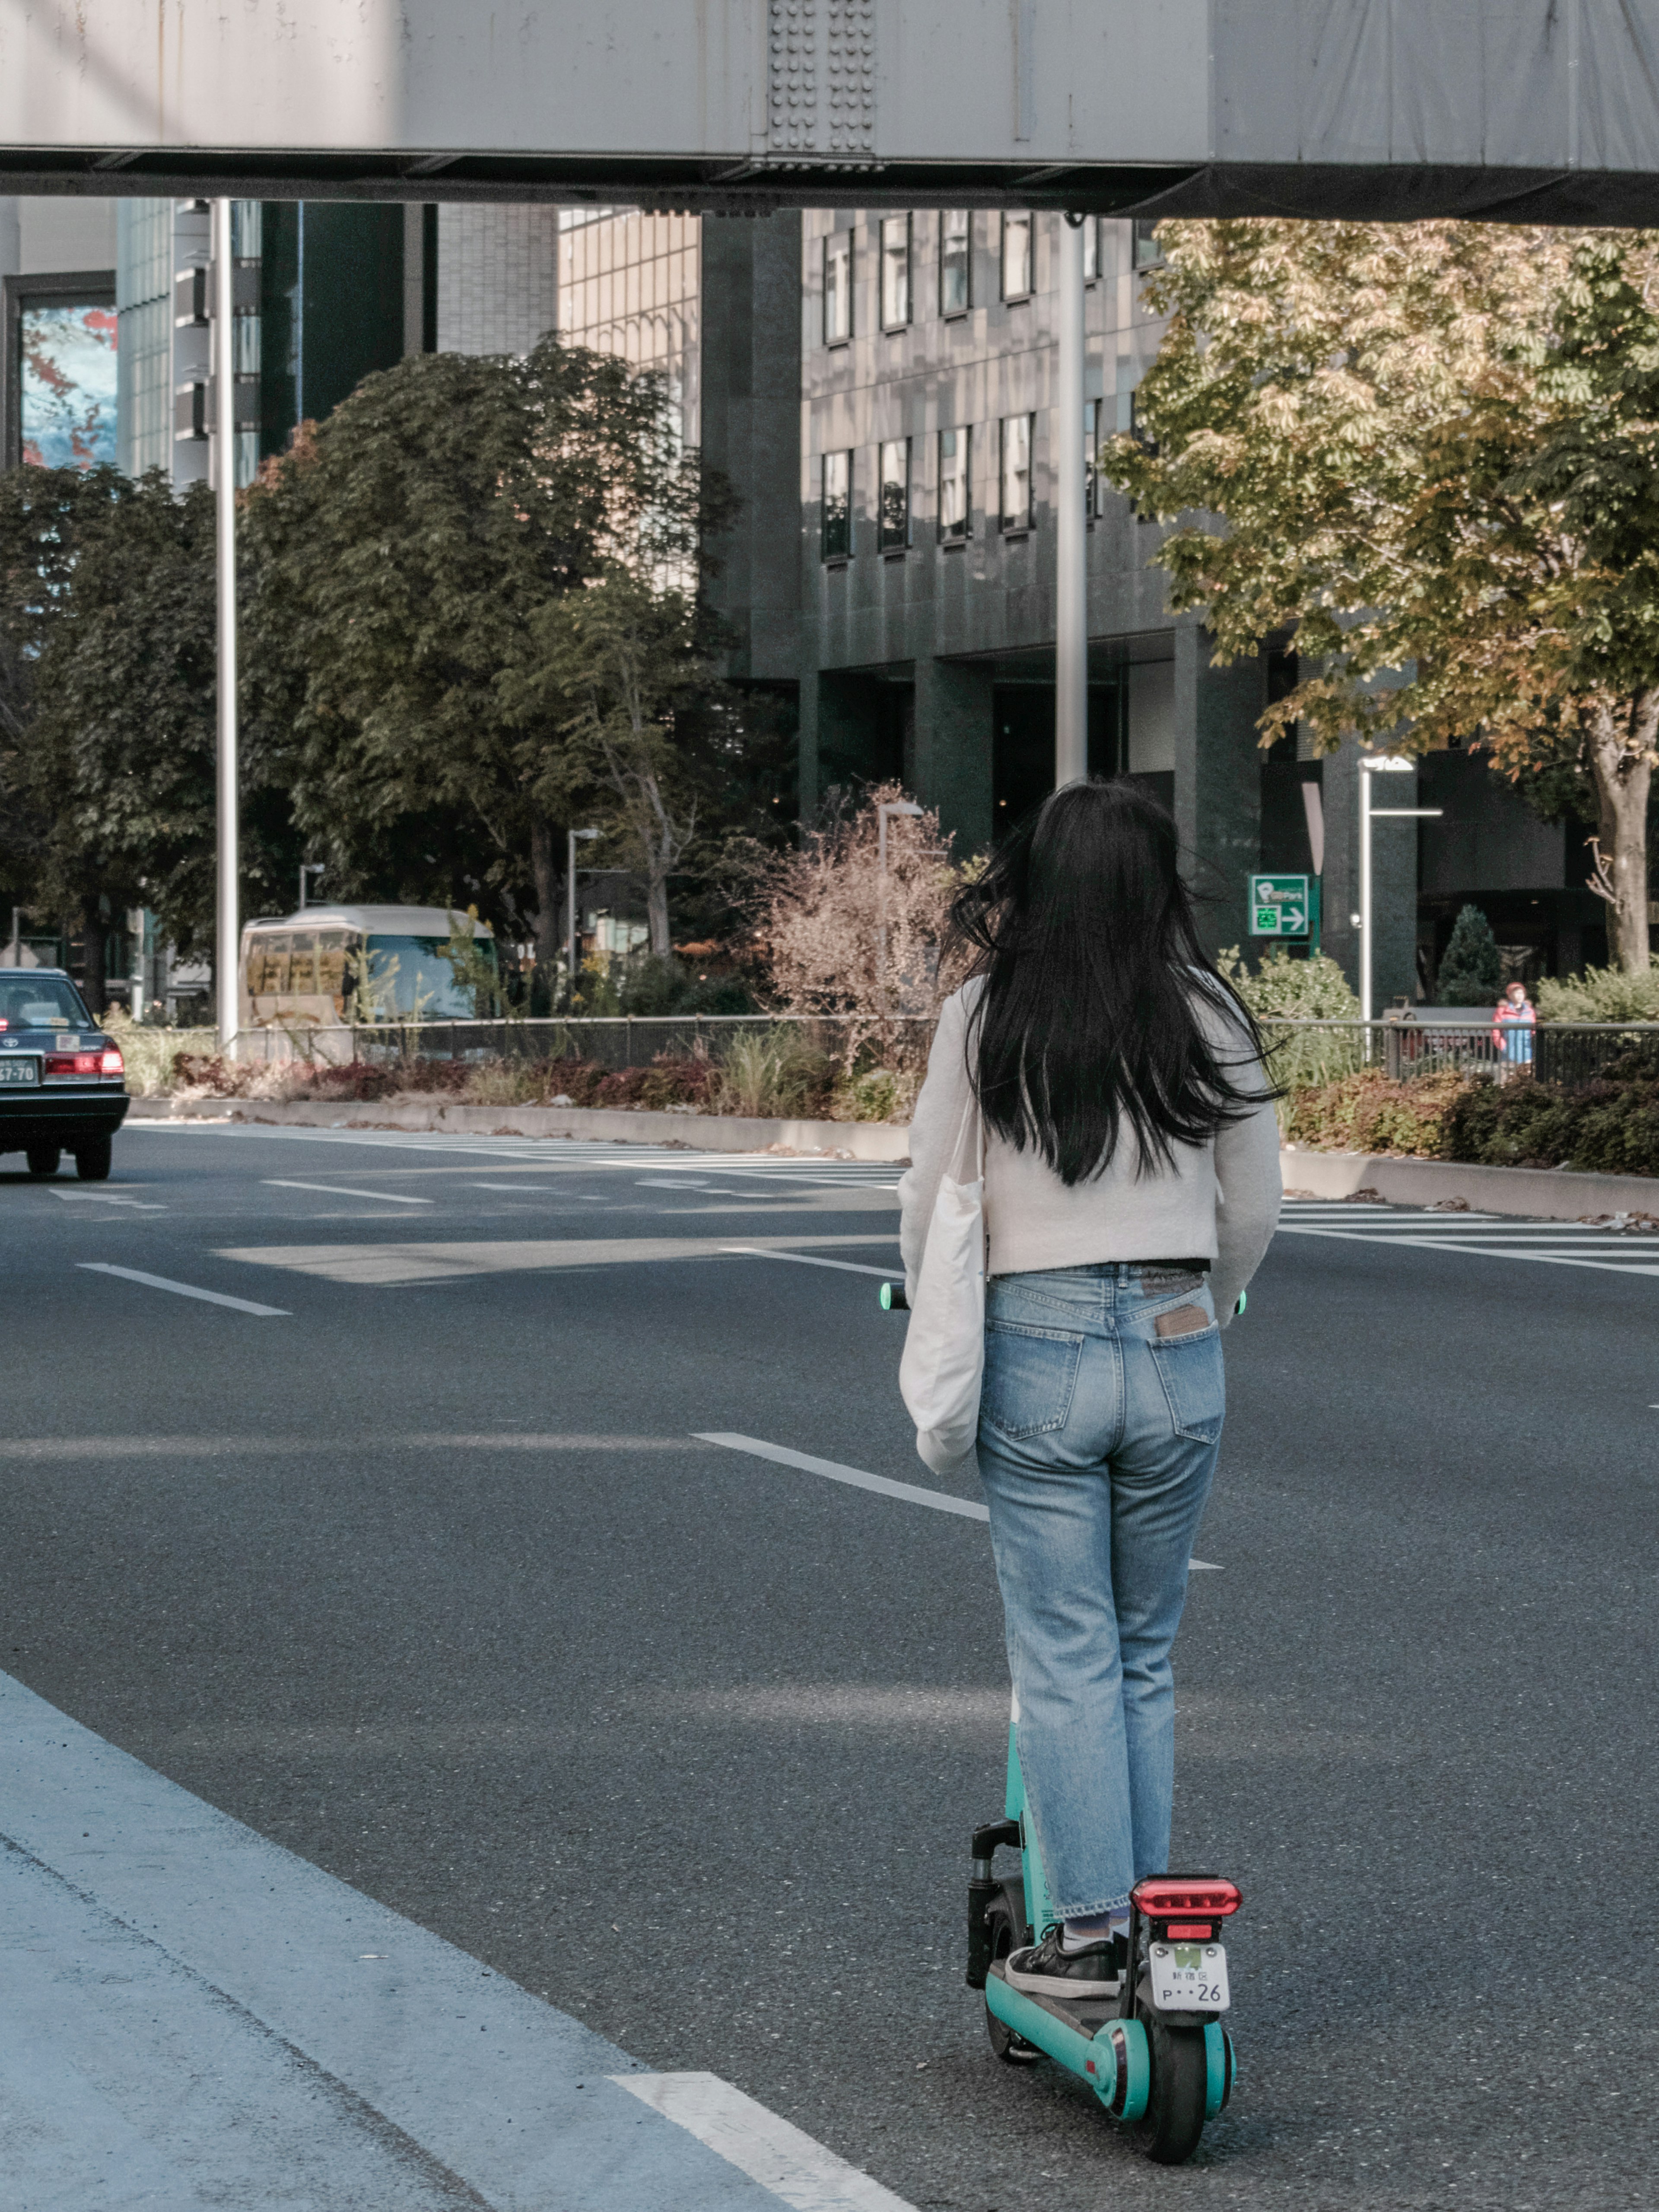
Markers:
point(560, 1154)
point(202, 1446)
point(108, 1198)
point(1476, 1251)
point(940, 1501)
point(342, 1190)
point(181, 1957)
point(805, 1259)
point(669, 1182)
point(912, 1493)
point(798, 2172)
point(415, 1262)
point(183, 1290)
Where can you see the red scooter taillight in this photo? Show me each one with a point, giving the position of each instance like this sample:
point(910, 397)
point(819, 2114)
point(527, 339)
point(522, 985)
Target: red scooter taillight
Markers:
point(1163, 1897)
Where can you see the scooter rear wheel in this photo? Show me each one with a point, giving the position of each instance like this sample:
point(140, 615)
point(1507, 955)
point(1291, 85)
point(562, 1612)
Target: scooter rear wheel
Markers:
point(1175, 2107)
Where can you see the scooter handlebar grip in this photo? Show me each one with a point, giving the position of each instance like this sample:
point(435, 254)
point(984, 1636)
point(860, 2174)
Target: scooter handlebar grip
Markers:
point(893, 1299)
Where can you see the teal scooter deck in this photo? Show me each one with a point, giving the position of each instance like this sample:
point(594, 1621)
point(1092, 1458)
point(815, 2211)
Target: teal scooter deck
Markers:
point(1089, 2039)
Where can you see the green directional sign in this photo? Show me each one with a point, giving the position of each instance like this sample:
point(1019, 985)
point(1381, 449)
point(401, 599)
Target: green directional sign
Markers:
point(1279, 906)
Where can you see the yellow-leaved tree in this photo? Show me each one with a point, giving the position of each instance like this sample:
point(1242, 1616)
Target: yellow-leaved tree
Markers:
point(1429, 452)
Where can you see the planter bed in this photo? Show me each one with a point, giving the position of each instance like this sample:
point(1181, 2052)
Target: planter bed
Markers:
point(711, 1133)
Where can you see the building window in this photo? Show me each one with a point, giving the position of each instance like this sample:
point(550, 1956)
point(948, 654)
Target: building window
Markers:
point(955, 261)
point(1017, 471)
point(838, 287)
point(1090, 248)
point(895, 528)
point(1017, 256)
point(837, 506)
point(1091, 491)
point(894, 271)
point(954, 482)
point(1128, 423)
point(1148, 252)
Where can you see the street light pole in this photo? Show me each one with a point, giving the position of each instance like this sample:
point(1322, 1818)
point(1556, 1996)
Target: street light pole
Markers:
point(1377, 764)
point(1070, 520)
point(570, 912)
point(228, 943)
point(888, 806)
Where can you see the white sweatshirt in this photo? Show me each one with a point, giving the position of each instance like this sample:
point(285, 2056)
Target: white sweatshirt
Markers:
point(1218, 1201)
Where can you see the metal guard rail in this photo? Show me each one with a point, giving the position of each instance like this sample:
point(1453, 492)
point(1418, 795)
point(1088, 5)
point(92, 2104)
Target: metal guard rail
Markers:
point(1299, 1051)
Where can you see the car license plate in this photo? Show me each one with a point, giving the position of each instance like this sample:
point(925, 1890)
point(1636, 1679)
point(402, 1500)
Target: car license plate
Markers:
point(1189, 1978)
point(19, 1071)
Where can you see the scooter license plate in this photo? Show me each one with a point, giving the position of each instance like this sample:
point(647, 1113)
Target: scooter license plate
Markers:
point(1189, 1978)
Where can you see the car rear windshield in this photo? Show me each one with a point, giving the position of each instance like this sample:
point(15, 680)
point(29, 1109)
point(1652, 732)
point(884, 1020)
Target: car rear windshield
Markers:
point(42, 1002)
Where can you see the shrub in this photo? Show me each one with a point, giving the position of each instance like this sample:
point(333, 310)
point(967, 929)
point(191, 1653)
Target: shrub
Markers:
point(1600, 994)
point(1609, 1127)
point(766, 1072)
point(1282, 989)
point(1471, 974)
point(1371, 1112)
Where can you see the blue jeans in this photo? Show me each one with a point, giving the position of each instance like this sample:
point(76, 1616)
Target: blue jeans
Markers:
point(1097, 1441)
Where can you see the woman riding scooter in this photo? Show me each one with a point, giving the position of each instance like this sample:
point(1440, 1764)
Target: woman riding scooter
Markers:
point(1131, 1187)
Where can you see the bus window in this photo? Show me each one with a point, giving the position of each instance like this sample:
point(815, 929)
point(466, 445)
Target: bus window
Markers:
point(332, 965)
point(414, 976)
point(267, 961)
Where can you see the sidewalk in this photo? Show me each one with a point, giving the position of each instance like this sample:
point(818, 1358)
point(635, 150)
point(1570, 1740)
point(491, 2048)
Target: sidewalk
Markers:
point(195, 2017)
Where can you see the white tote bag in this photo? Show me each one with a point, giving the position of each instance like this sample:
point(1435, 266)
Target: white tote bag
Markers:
point(944, 1361)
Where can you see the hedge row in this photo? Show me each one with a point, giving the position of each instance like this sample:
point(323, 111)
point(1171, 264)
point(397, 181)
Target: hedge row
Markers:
point(1609, 1127)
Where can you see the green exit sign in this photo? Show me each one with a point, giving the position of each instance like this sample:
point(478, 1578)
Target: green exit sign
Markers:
point(1279, 906)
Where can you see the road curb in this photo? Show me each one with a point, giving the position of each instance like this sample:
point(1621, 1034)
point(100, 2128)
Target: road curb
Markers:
point(1548, 1193)
point(714, 1133)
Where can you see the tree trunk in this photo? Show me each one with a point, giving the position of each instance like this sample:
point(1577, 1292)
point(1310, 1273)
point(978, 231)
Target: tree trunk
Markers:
point(656, 909)
point(94, 985)
point(1621, 752)
point(544, 868)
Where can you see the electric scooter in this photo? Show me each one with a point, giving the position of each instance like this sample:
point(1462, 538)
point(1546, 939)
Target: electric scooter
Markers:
point(1157, 2055)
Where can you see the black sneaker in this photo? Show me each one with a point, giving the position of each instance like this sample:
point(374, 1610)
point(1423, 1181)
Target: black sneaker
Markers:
point(1046, 1969)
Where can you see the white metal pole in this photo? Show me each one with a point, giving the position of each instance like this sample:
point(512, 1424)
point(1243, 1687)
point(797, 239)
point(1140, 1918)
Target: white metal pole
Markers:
point(1365, 899)
point(1070, 530)
point(570, 923)
point(224, 354)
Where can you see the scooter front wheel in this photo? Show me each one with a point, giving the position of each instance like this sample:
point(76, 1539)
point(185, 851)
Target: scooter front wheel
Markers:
point(1179, 2100)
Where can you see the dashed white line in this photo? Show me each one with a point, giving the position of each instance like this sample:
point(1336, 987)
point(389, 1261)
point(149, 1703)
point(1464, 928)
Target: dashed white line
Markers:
point(342, 1190)
point(806, 1260)
point(108, 1198)
point(798, 2172)
point(911, 1493)
point(184, 1290)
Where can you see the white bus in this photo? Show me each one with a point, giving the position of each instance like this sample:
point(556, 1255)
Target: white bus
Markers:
point(333, 967)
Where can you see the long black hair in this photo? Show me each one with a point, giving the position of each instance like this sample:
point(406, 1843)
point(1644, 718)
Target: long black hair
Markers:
point(1089, 1023)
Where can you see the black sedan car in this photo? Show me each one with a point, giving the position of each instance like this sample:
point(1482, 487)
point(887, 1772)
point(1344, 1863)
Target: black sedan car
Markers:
point(63, 1082)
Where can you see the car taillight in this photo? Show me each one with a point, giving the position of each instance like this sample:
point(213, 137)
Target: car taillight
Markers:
point(113, 1063)
point(1163, 1897)
point(73, 1063)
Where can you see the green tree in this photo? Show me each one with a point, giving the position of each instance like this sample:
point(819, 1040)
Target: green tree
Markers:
point(628, 661)
point(1471, 971)
point(404, 552)
point(107, 674)
point(1426, 452)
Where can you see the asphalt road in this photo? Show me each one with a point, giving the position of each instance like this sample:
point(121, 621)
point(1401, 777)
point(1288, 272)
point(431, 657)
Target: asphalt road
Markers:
point(431, 1583)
